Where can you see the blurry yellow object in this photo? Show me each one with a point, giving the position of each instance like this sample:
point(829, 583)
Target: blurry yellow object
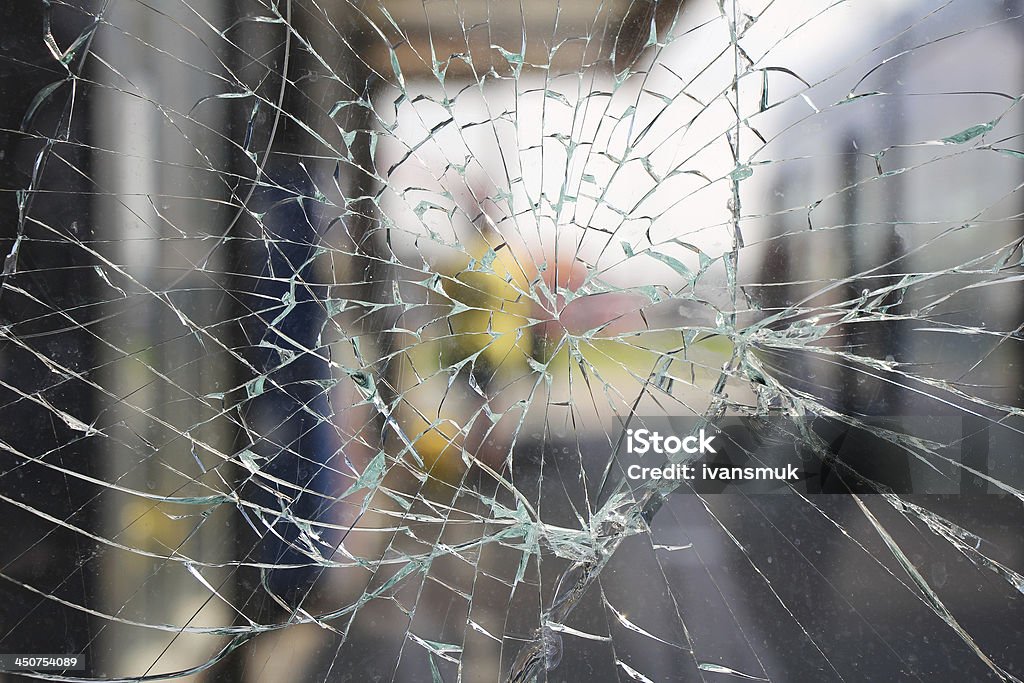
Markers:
point(438, 444)
point(488, 328)
point(495, 326)
point(490, 319)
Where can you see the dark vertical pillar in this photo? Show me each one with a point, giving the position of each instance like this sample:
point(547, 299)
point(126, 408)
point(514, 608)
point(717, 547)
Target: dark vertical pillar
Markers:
point(45, 352)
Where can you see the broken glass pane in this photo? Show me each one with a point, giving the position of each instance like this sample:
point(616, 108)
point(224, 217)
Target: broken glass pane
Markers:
point(335, 336)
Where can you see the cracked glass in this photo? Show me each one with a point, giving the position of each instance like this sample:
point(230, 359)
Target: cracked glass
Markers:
point(328, 329)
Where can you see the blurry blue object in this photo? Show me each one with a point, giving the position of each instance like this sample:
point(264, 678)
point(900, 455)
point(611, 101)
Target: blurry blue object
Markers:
point(288, 407)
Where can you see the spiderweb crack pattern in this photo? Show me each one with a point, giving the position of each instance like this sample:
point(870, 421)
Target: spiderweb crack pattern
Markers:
point(322, 322)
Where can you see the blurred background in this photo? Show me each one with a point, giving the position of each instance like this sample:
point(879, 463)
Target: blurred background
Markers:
point(318, 320)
